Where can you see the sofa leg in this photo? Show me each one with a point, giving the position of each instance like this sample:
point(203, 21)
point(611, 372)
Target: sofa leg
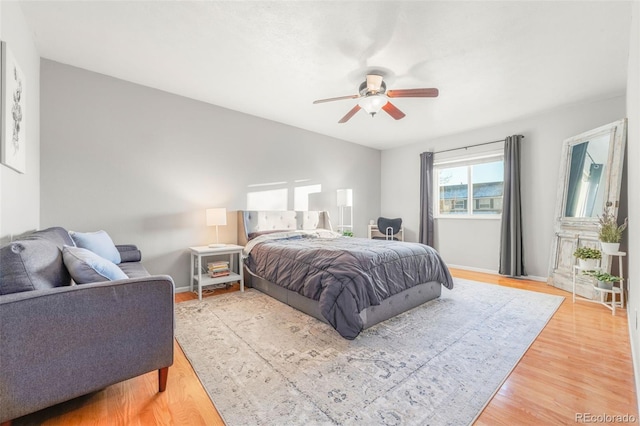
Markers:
point(163, 373)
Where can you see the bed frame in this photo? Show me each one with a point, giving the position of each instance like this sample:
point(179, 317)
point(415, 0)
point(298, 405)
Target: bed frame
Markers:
point(250, 221)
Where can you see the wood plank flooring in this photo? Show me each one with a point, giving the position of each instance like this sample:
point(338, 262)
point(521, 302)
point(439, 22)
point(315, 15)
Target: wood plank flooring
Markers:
point(580, 363)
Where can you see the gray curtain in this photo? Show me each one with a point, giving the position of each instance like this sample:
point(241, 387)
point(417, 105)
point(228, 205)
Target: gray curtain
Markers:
point(426, 198)
point(511, 245)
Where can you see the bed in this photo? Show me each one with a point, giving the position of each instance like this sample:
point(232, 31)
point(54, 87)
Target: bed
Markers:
point(349, 283)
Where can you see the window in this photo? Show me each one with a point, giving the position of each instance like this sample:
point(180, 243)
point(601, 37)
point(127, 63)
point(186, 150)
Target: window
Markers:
point(301, 196)
point(271, 199)
point(470, 187)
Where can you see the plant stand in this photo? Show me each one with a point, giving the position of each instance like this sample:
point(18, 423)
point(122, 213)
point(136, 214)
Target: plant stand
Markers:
point(614, 291)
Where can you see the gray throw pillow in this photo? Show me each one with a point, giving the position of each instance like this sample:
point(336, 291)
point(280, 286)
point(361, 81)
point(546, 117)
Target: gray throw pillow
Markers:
point(31, 265)
point(57, 235)
point(87, 267)
point(98, 242)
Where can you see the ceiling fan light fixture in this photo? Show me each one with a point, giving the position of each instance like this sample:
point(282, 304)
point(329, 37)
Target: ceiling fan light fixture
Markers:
point(372, 104)
point(373, 96)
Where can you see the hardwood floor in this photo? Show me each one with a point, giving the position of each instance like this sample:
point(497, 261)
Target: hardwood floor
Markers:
point(580, 363)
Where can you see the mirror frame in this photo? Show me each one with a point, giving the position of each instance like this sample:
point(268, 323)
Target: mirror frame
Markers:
point(573, 232)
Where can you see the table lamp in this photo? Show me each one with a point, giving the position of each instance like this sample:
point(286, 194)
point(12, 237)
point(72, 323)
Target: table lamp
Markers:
point(217, 217)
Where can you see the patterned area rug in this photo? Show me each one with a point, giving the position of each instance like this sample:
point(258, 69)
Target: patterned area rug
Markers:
point(264, 363)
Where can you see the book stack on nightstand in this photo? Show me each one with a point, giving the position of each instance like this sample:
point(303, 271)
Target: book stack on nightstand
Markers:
point(218, 269)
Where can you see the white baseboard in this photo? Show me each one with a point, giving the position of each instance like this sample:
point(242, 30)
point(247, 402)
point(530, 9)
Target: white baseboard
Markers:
point(634, 354)
point(536, 278)
point(466, 268)
point(489, 271)
point(473, 269)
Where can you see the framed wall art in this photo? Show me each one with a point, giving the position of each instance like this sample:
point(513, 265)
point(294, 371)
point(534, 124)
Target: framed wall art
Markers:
point(13, 112)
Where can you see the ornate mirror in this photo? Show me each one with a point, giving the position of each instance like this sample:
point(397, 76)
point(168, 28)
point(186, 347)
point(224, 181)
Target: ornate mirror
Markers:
point(590, 178)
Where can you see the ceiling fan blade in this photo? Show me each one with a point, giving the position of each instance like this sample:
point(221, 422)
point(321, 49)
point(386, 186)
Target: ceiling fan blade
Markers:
point(350, 114)
point(340, 98)
point(393, 111)
point(413, 93)
point(373, 83)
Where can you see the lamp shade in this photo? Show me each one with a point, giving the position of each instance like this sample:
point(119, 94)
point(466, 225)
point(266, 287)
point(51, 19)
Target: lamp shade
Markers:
point(373, 103)
point(345, 197)
point(216, 216)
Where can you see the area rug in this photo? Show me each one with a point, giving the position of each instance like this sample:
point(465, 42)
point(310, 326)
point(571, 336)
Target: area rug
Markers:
point(265, 363)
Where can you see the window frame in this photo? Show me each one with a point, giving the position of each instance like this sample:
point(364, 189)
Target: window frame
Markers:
point(464, 161)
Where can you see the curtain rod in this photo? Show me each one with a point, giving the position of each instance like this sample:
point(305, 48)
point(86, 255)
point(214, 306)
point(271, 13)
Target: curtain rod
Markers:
point(471, 146)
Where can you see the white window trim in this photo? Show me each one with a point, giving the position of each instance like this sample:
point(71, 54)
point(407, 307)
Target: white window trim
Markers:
point(459, 161)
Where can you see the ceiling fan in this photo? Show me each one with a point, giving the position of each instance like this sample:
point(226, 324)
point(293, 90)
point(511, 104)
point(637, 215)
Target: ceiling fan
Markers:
point(374, 96)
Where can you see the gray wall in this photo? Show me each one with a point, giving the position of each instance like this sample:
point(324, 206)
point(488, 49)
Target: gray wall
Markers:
point(144, 165)
point(633, 159)
point(20, 193)
point(474, 243)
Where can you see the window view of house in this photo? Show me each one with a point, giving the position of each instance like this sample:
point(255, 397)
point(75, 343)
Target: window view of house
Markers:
point(485, 197)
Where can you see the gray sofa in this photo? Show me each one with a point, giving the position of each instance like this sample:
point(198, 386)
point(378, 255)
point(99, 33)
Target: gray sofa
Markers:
point(59, 341)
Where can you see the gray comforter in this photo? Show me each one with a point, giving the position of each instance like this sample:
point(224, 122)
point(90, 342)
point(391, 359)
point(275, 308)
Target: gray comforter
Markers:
point(346, 275)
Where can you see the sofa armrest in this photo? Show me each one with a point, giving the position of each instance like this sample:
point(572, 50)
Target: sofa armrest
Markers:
point(129, 253)
point(61, 343)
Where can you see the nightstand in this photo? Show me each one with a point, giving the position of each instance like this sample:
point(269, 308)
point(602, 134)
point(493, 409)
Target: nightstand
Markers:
point(195, 272)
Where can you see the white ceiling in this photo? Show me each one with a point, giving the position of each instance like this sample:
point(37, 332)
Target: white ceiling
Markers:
point(492, 61)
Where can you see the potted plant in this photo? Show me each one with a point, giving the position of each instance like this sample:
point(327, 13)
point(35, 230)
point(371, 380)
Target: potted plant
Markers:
point(587, 257)
point(605, 279)
point(610, 233)
point(347, 233)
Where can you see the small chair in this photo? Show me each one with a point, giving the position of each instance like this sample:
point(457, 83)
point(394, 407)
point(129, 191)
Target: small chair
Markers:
point(389, 227)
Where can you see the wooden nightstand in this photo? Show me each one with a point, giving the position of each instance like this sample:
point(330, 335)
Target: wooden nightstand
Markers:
point(195, 273)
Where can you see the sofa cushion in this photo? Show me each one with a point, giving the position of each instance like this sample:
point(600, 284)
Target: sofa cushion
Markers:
point(134, 269)
point(98, 242)
point(32, 264)
point(86, 266)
